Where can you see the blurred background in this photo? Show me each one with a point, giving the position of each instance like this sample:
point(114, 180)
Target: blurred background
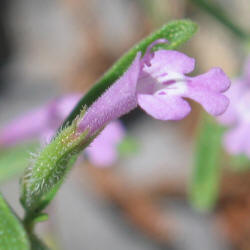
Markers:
point(52, 47)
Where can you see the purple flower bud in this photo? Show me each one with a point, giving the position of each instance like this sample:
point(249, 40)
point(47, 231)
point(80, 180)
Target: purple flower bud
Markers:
point(39, 122)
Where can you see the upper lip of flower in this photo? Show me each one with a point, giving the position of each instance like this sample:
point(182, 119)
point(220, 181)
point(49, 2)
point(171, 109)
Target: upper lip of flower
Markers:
point(163, 76)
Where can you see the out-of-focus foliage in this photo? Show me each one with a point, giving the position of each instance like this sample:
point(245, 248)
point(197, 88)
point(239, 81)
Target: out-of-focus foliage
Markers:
point(221, 16)
point(239, 162)
point(207, 168)
point(14, 160)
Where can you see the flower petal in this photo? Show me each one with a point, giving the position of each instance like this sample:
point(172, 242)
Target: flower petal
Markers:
point(103, 150)
point(231, 115)
point(236, 139)
point(101, 156)
point(65, 104)
point(213, 103)
point(164, 107)
point(214, 80)
point(165, 61)
point(206, 89)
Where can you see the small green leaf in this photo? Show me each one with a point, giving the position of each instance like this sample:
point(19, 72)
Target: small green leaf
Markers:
point(207, 169)
point(12, 233)
point(14, 160)
point(176, 32)
point(41, 217)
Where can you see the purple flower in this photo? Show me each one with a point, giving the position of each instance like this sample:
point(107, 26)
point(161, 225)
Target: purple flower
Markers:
point(157, 82)
point(163, 85)
point(42, 123)
point(237, 116)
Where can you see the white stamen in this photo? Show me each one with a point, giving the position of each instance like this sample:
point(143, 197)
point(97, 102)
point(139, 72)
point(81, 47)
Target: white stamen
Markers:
point(172, 83)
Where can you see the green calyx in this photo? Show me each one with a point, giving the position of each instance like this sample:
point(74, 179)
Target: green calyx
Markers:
point(51, 166)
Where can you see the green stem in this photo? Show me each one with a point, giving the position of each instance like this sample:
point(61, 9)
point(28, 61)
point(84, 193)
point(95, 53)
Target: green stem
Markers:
point(207, 167)
point(221, 16)
point(28, 223)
